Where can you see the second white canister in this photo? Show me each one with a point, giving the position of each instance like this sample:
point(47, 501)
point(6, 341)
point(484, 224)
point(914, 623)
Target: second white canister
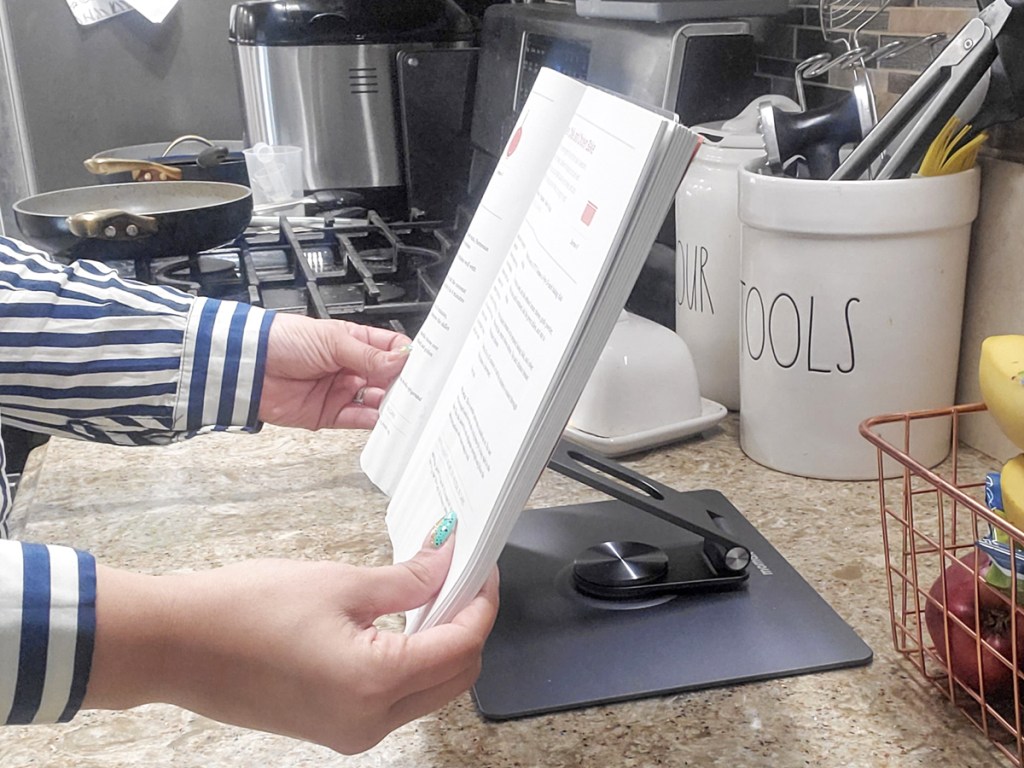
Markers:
point(708, 249)
point(853, 295)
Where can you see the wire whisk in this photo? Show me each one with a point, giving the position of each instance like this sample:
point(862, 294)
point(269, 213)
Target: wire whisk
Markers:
point(844, 14)
point(842, 22)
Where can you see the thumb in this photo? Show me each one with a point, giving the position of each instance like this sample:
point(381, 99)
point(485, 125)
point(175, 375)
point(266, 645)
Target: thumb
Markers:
point(378, 366)
point(383, 367)
point(412, 583)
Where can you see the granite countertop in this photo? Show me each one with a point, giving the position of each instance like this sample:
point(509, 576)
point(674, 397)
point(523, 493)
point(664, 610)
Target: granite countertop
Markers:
point(282, 493)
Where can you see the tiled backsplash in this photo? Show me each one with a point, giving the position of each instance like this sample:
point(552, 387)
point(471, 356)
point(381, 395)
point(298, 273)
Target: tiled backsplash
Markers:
point(995, 281)
point(798, 36)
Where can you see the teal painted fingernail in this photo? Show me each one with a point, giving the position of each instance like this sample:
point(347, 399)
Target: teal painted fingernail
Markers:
point(444, 528)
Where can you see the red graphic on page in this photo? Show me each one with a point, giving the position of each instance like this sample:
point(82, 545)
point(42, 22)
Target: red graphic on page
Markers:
point(588, 213)
point(514, 142)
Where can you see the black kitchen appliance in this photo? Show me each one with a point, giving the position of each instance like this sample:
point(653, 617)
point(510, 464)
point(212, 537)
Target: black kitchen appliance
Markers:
point(701, 70)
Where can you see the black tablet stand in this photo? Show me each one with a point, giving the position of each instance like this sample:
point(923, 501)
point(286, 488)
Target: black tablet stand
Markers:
point(650, 592)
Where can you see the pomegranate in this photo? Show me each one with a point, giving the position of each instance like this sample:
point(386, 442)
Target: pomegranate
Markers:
point(993, 610)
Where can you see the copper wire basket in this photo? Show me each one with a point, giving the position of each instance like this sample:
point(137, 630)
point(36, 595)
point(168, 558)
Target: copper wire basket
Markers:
point(930, 519)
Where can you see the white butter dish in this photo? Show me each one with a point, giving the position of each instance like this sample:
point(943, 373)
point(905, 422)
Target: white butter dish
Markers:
point(643, 392)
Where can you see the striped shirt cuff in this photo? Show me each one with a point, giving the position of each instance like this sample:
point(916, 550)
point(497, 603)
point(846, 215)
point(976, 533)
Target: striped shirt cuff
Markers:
point(47, 631)
point(224, 360)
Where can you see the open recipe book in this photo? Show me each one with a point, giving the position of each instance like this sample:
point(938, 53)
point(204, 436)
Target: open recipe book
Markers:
point(556, 243)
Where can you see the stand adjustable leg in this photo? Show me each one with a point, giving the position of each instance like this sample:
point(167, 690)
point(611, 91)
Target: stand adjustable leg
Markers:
point(727, 556)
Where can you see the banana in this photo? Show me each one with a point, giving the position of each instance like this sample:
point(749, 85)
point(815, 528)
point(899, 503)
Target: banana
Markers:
point(1001, 376)
point(1011, 482)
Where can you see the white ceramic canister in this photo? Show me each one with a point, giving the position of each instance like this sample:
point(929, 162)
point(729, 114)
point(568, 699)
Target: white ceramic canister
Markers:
point(708, 249)
point(852, 305)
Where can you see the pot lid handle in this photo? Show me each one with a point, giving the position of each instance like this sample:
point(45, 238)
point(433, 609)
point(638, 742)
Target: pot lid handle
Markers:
point(182, 140)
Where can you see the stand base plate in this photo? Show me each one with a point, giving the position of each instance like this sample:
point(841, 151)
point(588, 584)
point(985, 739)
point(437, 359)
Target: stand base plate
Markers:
point(554, 648)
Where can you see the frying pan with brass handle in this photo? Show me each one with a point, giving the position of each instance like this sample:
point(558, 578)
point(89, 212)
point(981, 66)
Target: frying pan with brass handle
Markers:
point(135, 221)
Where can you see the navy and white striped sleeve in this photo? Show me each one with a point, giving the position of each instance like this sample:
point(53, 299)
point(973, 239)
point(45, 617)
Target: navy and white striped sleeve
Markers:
point(87, 354)
point(47, 627)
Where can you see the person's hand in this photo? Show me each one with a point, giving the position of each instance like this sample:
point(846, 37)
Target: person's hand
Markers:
point(328, 373)
point(287, 647)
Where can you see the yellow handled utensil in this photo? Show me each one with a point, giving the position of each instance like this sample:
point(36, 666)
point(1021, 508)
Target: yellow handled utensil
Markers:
point(946, 154)
point(966, 156)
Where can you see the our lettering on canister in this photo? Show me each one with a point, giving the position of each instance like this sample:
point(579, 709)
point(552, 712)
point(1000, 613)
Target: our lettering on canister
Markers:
point(693, 290)
point(708, 248)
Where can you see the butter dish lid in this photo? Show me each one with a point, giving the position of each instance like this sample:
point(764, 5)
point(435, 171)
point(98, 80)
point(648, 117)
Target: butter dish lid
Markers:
point(643, 392)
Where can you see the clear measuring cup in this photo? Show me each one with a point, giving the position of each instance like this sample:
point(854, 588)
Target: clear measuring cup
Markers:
point(275, 173)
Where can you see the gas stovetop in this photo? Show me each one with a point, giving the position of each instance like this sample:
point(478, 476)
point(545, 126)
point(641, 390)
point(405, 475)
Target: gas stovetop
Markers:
point(366, 270)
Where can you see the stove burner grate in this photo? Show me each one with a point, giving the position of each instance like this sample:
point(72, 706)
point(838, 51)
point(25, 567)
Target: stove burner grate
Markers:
point(372, 272)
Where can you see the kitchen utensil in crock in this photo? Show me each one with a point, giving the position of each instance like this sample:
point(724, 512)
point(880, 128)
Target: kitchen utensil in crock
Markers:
point(815, 136)
point(129, 221)
point(986, 54)
point(841, 23)
point(954, 150)
point(191, 158)
point(852, 15)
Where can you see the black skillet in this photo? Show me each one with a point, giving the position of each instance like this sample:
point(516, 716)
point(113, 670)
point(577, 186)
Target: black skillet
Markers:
point(131, 221)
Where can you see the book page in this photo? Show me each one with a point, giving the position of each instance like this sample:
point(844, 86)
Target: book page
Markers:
point(487, 415)
point(481, 253)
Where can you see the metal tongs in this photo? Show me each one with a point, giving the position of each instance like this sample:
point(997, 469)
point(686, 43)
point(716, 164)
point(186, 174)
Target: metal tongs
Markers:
point(986, 57)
